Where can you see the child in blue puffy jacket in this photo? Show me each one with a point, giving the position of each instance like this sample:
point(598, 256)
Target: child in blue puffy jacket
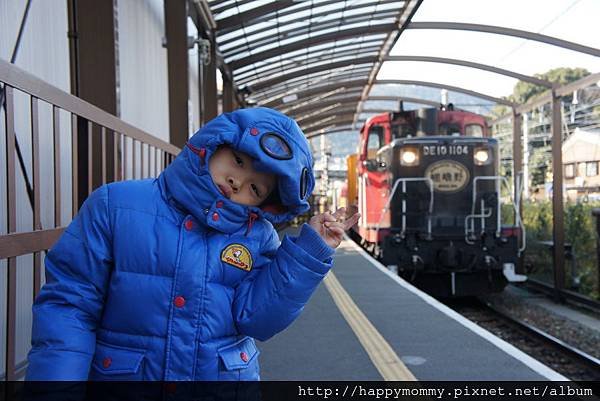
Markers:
point(173, 278)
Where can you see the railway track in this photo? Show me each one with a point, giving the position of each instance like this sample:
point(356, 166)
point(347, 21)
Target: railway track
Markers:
point(555, 353)
point(567, 360)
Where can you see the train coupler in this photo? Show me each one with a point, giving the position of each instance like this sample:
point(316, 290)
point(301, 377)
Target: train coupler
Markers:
point(449, 256)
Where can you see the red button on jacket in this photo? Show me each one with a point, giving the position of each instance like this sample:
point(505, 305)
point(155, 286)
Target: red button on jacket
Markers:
point(244, 356)
point(106, 362)
point(188, 225)
point(179, 301)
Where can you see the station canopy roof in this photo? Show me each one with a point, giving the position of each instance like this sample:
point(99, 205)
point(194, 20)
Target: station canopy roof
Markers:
point(331, 64)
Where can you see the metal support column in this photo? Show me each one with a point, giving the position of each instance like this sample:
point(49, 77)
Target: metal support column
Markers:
point(517, 152)
point(176, 13)
point(596, 214)
point(526, 155)
point(209, 84)
point(557, 199)
point(94, 79)
point(517, 177)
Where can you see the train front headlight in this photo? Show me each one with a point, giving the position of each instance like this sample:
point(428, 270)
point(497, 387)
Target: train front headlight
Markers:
point(481, 156)
point(409, 157)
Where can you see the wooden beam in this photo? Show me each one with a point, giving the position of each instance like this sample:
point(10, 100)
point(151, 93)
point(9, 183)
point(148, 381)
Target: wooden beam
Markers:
point(176, 12)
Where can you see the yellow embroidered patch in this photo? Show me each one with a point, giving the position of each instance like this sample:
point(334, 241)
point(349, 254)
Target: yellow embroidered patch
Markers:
point(237, 255)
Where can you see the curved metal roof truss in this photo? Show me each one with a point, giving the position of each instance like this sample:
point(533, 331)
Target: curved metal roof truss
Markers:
point(304, 62)
point(318, 59)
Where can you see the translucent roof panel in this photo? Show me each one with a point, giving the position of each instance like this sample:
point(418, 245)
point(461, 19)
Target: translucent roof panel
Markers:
point(323, 51)
point(430, 94)
point(573, 20)
point(287, 66)
point(300, 50)
point(452, 75)
point(227, 8)
point(301, 56)
point(433, 33)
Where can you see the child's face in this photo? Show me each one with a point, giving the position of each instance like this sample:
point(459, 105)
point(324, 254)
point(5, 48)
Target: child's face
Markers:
point(233, 173)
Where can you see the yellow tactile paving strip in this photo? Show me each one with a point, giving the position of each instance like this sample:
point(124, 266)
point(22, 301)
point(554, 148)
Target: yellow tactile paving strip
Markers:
point(381, 353)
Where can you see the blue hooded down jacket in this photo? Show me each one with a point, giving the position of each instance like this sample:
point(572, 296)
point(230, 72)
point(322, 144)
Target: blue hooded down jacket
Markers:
point(167, 279)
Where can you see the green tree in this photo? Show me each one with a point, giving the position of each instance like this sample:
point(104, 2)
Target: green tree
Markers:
point(524, 91)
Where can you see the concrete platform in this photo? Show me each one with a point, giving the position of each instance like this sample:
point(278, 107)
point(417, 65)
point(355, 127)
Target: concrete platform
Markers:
point(431, 340)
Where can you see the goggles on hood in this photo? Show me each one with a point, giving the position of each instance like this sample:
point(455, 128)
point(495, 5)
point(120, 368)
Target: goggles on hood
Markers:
point(275, 146)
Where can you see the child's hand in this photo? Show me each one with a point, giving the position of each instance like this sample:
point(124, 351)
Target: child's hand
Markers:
point(331, 226)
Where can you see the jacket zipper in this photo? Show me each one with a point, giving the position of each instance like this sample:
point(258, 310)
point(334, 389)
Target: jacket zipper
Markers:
point(251, 219)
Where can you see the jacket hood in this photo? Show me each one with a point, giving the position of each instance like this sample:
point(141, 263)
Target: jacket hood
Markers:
point(276, 144)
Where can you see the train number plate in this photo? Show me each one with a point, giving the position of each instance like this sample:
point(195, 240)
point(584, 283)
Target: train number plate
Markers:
point(445, 150)
point(448, 176)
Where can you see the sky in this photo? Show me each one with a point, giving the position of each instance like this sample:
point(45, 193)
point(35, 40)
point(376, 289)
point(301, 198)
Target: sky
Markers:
point(572, 20)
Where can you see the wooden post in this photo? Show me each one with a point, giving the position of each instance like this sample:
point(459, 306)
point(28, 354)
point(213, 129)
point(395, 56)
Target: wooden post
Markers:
point(228, 95)
point(209, 84)
point(93, 78)
point(176, 13)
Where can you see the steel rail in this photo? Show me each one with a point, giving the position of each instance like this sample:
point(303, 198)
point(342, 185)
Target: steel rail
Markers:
point(549, 290)
point(574, 352)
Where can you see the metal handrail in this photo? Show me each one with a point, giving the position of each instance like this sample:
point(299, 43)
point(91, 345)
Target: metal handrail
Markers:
point(88, 121)
point(429, 182)
point(17, 78)
point(483, 215)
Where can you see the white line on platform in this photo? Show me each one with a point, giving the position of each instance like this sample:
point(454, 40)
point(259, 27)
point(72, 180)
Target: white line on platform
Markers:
point(530, 362)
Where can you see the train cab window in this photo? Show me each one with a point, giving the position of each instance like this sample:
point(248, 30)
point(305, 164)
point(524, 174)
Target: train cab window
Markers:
point(402, 131)
point(474, 130)
point(449, 129)
point(375, 141)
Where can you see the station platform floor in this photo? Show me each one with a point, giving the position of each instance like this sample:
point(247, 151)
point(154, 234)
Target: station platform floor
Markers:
point(366, 323)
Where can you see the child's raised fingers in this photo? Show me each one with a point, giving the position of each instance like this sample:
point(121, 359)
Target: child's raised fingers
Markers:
point(328, 217)
point(322, 218)
point(340, 213)
point(338, 231)
point(351, 221)
point(331, 224)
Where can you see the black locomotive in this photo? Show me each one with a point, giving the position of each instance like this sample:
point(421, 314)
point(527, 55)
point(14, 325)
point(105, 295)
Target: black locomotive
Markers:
point(430, 196)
